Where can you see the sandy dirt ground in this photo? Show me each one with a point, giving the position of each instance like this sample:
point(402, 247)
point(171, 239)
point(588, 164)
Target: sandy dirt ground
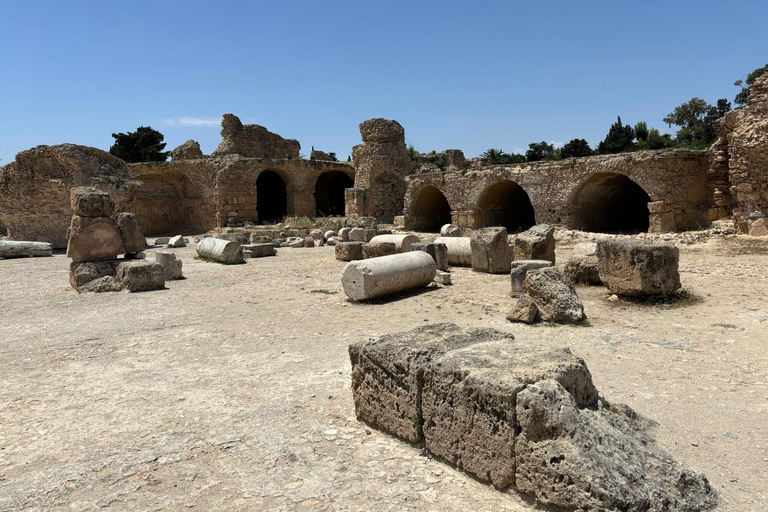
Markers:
point(230, 390)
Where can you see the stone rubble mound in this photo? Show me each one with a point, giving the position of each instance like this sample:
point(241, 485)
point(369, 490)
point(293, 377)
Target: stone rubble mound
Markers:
point(522, 417)
point(548, 296)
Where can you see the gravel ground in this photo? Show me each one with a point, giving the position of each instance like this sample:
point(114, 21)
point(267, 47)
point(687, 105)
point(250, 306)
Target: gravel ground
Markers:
point(230, 390)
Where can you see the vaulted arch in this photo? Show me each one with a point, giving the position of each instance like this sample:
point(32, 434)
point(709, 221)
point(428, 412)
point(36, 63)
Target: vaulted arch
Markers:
point(430, 210)
point(610, 203)
point(505, 203)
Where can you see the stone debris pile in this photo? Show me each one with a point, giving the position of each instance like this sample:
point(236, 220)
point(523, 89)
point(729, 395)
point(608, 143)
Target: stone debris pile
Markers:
point(548, 296)
point(520, 416)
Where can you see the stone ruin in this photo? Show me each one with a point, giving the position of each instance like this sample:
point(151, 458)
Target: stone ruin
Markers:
point(521, 417)
point(253, 141)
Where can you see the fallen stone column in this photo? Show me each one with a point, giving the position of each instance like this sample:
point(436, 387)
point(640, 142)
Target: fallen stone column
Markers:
point(402, 242)
point(13, 249)
point(375, 277)
point(459, 249)
point(224, 251)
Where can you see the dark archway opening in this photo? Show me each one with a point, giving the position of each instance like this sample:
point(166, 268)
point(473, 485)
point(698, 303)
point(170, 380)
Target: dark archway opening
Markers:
point(430, 211)
point(611, 203)
point(505, 204)
point(329, 193)
point(271, 198)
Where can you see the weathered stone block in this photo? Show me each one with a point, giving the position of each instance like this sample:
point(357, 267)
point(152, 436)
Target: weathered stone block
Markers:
point(554, 296)
point(19, 249)
point(450, 230)
point(130, 229)
point(141, 275)
point(223, 251)
point(459, 250)
point(490, 250)
point(375, 250)
point(94, 238)
point(523, 311)
point(258, 250)
point(583, 270)
point(349, 251)
point(344, 234)
point(443, 277)
point(89, 202)
point(178, 241)
point(402, 242)
point(171, 265)
point(538, 243)
point(638, 267)
point(519, 269)
point(439, 253)
point(361, 234)
point(81, 273)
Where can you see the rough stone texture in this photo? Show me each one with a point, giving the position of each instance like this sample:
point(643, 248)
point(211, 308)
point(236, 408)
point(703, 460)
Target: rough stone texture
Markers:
point(258, 250)
point(490, 250)
point(371, 250)
point(171, 265)
point(459, 250)
point(402, 242)
point(253, 141)
point(81, 274)
point(538, 243)
point(519, 269)
point(349, 251)
point(35, 189)
point(381, 163)
point(190, 150)
point(223, 251)
point(141, 275)
point(439, 253)
point(583, 270)
point(177, 241)
point(554, 296)
point(90, 202)
point(320, 155)
point(361, 234)
point(361, 222)
point(239, 237)
point(309, 241)
point(742, 149)
point(344, 234)
point(450, 230)
point(377, 277)
point(94, 238)
point(442, 277)
point(587, 458)
point(129, 225)
point(675, 180)
point(16, 249)
point(637, 267)
point(523, 311)
point(584, 249)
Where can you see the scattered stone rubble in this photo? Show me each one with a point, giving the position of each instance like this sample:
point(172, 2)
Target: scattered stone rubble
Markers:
point(522, 417)
point(538, 243)
point(548, 296)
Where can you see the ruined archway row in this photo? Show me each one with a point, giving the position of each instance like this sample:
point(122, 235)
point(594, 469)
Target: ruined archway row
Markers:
point(646, 191)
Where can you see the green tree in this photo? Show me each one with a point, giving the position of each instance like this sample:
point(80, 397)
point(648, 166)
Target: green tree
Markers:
point(696, 121)
point(641, 131)
point(620, 138)
point(656, 140)
point(143, 145)
point(538, 151)
point(576, 147)
point(743, 95)
point(494, 156)
point(515, 158)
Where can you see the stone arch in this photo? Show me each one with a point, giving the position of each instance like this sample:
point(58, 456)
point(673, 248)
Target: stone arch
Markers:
point(329, 193)
point(430, 210)
point(505, 203)
point(388, 191)
point(271, 197)
point(610, 203)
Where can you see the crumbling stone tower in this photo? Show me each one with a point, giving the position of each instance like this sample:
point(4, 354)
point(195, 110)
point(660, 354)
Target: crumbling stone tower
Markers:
point(381, 164)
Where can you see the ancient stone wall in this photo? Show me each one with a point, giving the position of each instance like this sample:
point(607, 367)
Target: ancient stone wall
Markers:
point(253, 141)
point(670, 184)
point(742, 149)
point(381, 164)
point(35, 189)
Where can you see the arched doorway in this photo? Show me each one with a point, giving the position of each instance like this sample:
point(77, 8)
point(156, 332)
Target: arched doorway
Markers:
point(505, 204)
point(611, 203)
point(329, 193)
point(430, 211)
point(271, 198)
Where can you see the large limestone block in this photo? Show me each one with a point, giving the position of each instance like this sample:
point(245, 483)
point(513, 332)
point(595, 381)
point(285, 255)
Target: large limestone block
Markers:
point(176, 242)
point(583, 270)
point(94, 276)
point(638, 267)
point(538, 243)
point(490, 250)
point(387, 374)
point(258, 250)
point(554, 296)
point(469, 396)
point(19, 249)
point(519, 269)
point(141, 275)
point(361, 234)
point(371, 250)
point(94, 238)
point(130, 229)
point(597, 458)
point(349, 251)
point(585, 249)
point(450, 230)
point(224, 251)
point(171, 265)
point(459, 249)
point(376, 277)
point(89, 202)
point(402, 242)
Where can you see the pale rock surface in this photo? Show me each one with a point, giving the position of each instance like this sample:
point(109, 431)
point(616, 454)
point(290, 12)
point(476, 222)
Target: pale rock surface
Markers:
point(537, 243)
point(490, 250)
point(376, 277)
point(637, 267)
point(223, 251)
point(94, 238)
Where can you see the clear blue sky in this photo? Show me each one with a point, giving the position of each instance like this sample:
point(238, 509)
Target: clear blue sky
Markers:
point(455, 74)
